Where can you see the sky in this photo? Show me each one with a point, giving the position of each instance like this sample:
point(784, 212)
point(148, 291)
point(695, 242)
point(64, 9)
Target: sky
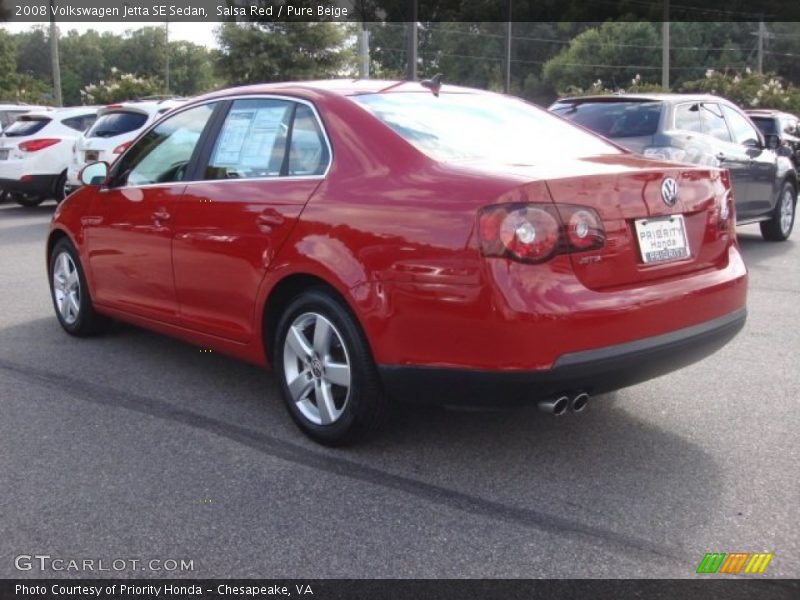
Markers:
point(199, 33)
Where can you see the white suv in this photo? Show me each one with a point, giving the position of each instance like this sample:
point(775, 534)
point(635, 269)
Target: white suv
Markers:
point(116, 127)
point(36, 149)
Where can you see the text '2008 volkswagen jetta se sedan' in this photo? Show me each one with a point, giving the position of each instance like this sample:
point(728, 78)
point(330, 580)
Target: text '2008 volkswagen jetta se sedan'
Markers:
point(375, 242)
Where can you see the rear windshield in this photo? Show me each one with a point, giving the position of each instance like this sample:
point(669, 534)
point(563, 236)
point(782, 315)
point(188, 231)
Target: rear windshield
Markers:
point(26, 126)
point(117, 123)
point(460, 127)
point(765, 124)
point(613, 119)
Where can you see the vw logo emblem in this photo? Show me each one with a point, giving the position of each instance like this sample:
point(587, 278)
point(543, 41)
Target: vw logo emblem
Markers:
point(669, 191)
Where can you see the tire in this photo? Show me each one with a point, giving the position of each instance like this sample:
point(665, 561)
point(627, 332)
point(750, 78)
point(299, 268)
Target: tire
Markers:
point(70, 294)
point(3, 196)
point(332, 406)
point(59, 193)
point(27, 200)
point(779, 227)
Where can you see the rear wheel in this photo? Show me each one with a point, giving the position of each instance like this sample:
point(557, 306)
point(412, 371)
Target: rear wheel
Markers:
point(779, 227)
point(326, 372)
point(60, 191)
point(27, 200)
point(70, 293)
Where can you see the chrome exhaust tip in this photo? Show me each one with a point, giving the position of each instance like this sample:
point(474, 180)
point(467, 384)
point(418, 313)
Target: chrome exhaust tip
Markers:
point(579, 402)
point(558, 406)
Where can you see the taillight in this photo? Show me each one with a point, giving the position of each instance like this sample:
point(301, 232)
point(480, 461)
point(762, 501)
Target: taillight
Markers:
point(121, 148)
point(533, 233)
point(34, 145)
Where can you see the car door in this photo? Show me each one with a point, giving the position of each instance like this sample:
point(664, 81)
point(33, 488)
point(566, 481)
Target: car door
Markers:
point(762, 165)
point(728, 153)
point(254, 178)
point(129, 233)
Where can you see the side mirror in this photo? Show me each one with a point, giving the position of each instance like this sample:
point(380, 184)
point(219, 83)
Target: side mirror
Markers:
point(772, 141)
point(95, 173)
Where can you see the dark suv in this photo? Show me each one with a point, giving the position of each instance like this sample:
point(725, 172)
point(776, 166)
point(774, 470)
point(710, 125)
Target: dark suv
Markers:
point(782, 125)
point(705, 130)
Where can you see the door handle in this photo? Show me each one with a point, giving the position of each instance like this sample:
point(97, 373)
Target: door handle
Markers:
point(269, 219)
point(161, 215)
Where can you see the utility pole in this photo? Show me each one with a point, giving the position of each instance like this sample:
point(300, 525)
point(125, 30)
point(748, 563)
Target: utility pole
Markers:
point(166, 66)
point(665, 47)
point(411, 66)
point(507, 85)
point(54, 62)
point(363, 52)
point(762, 33)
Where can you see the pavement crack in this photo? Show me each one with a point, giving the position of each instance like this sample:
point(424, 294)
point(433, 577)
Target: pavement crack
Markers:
point(294, 453)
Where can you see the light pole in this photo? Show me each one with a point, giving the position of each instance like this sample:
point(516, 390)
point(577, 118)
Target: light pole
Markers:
point(54, 62)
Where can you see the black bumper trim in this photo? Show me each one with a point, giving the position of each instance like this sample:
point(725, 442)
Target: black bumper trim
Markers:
point(595, 371)
point(37, 185)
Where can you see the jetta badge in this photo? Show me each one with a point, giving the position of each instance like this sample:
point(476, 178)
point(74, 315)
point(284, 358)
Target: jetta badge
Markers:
point(669, 191)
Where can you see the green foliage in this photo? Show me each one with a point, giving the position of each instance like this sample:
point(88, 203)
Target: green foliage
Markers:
point(749, 90)
point(283, 51)
point(120, 87)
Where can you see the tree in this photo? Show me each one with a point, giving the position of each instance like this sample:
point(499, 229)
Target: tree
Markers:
point(281, 51)
point(191, 69)
point(120, 87)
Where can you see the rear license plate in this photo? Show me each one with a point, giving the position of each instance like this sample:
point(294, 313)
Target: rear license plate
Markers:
point(92, 155)
point(4, 154)
point(662, 239)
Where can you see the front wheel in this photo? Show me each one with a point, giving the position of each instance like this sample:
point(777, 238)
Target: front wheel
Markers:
point(326, 372)
point(70, 293)
point(27, 200)
point(779, 227)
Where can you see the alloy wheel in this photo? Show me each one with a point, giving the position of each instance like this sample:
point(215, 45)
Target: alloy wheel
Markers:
point(316, 368)
point(787, 210)
point(66, 288)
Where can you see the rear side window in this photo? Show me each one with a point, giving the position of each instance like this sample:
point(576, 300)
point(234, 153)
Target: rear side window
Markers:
point(252, 141)
point(713, 122)
point(615, 119)
point(26, 126)
point(81, 122)
point(117, 123)
point(308, 153)
point(687, 118)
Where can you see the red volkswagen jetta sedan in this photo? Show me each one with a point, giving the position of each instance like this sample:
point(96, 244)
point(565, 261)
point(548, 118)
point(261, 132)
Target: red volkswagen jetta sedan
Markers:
point(381, 241)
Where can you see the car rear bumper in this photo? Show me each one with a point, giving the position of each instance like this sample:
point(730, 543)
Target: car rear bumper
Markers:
point(594, 371)
point(35, 185)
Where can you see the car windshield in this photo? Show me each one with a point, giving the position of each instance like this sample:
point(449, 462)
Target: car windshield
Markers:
point(26, 126)
point(462, 127)
point(613, 119)
point(117, 123)
point(765, 124)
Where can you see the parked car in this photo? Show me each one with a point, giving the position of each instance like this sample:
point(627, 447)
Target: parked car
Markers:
point(784, 126)
point(8, 114)
point(381, 241)
point(116, 127)
point(704, 130)
point(35, 151)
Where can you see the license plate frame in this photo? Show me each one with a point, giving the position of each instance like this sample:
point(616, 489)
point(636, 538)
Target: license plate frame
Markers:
point(4, 152)
point(91, 155)
point(662, 239)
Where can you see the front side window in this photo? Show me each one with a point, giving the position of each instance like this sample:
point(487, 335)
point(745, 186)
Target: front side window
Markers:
point(499, 129)
point(743, 132)
point(163, 154)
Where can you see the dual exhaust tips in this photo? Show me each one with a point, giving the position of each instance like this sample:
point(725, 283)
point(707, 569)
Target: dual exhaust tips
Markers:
point(560, 404)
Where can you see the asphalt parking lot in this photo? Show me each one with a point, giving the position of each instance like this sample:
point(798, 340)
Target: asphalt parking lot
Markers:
point(137, 446)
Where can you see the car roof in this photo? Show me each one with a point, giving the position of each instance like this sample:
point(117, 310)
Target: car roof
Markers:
point(769, 112)
point(654, 97)
point(61, 113)
point(341, 87)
